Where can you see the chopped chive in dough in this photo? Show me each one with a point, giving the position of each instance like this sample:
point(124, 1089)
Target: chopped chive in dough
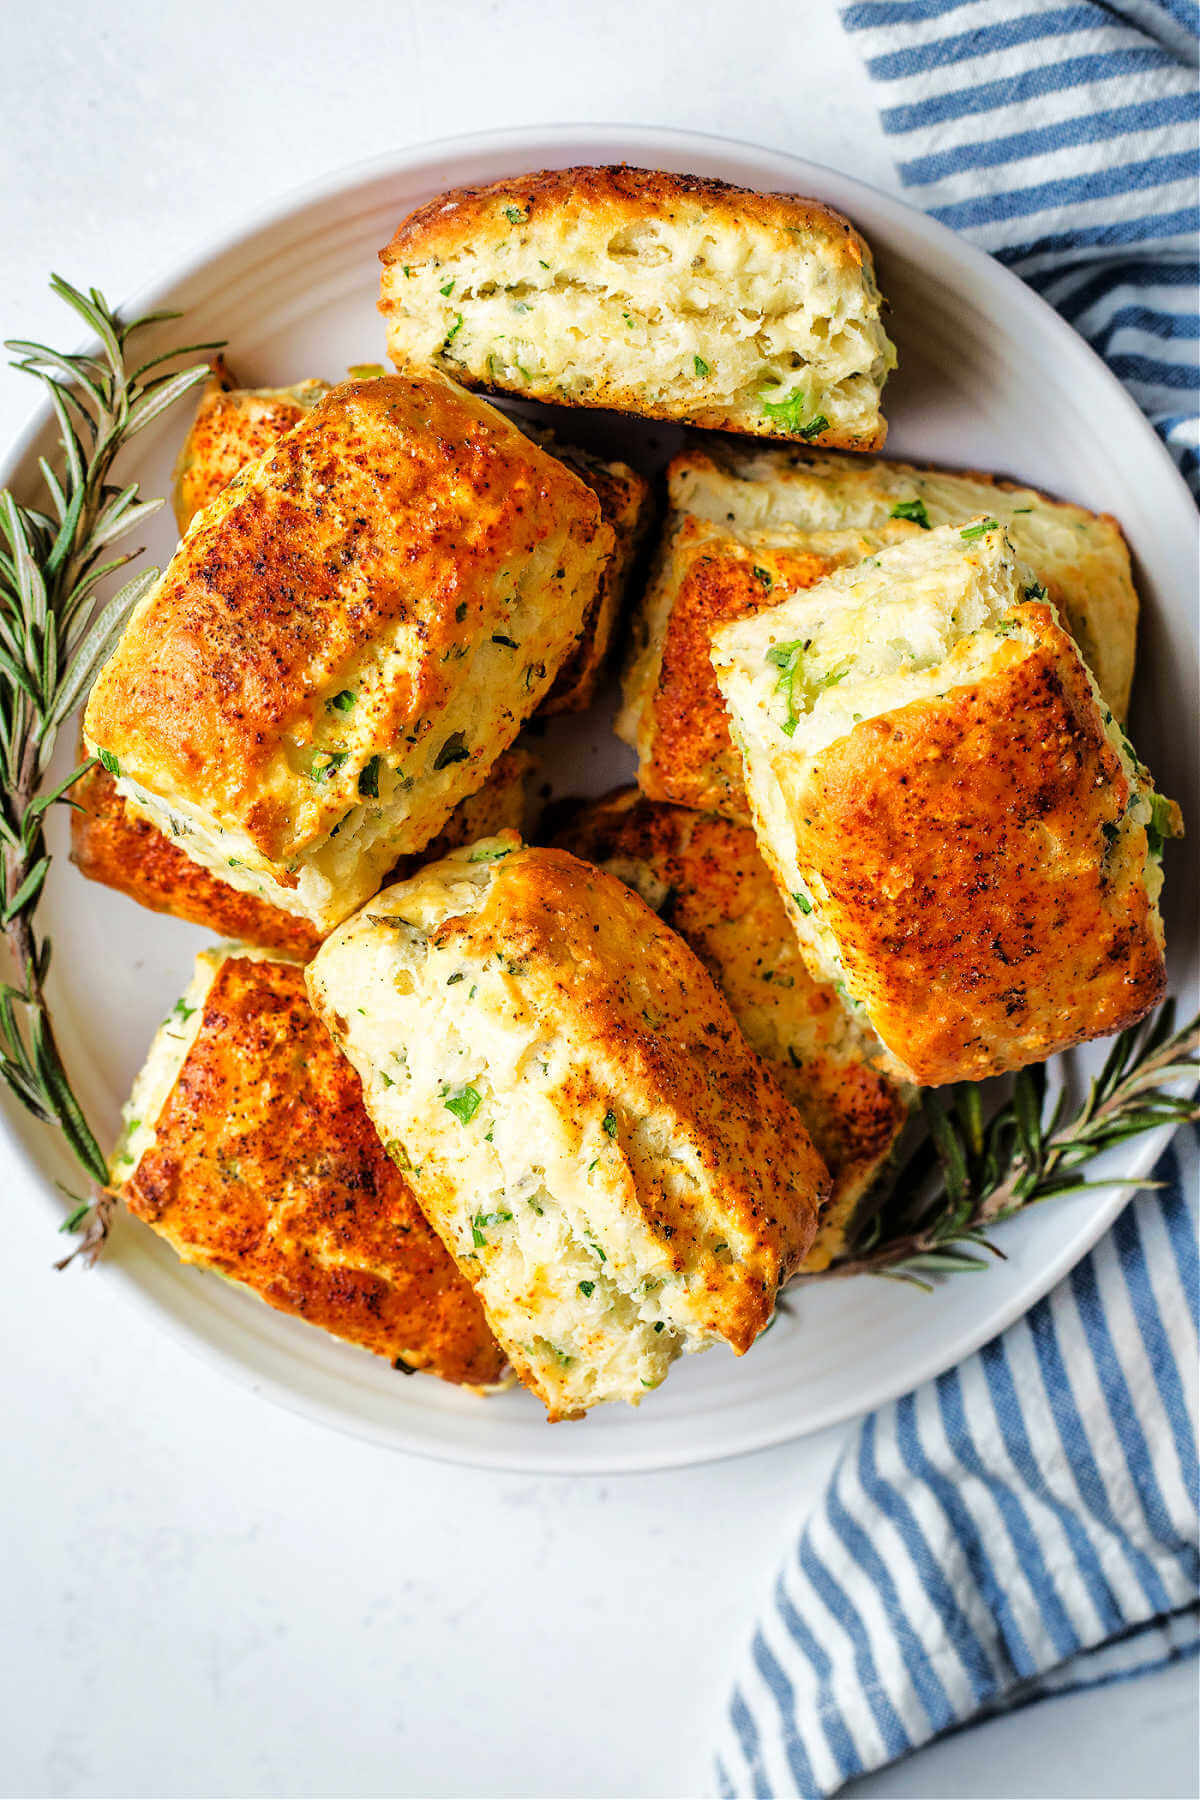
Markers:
point(787, 658)
point(516, 215)
point(343, 702)
point(324, 763)
point(701, 367)
point(509, 643)
point(453, 331)
point(1159, 828)
point(978, 529)
point(448, 289)
point(463, 1102)
point(916, 510)
point(460, 612)
point(452, 751)
point(587, 1289)
point(487, 854)
point(368, 780)
point(763, 575)
point(803, 902)
point(610, 1123)
point(789, 412)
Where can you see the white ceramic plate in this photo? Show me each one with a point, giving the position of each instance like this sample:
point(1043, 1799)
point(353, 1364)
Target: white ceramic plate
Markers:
point(988, 377)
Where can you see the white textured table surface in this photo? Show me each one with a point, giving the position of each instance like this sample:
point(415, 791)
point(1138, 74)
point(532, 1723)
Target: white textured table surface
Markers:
point(201, 1594)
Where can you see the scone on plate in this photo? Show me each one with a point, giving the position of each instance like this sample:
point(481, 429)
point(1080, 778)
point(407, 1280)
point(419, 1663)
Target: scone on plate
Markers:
point(113, 844)
point(705, 878)
point(670, 296)
point(246, 1146)
point(347, 639)
point(672, 712)
point(963, 835)
point(234, 426)
point(1080, 557)
point(613, 1168)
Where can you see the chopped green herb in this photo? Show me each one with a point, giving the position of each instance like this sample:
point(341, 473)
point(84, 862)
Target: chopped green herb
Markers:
point(368, 780)
point(587, 1289)
point(395, 1149)
point(453, 331)
point(324, 763)
point(181, 1010)
point(978, 529)
point(407, 271)
point(457, 976)
point(834, 676)
point(1022, 509)
point(764, 575)
point(509, 643)
point(915, 510)
point(343, 702)
point(485, 853)
point(701, 367)
point(610, 1123)
point(452, 751)
point(534, 672)
point(516, 215)
point(1159, 828)
point(463, 1102)
point(448, 289)
point(803, 902)
point(109, 761)
point(789, 413)
point(1110, 831)
point(542, 265)
point(1035, 591)
point(658, 1325)
point(788, 658)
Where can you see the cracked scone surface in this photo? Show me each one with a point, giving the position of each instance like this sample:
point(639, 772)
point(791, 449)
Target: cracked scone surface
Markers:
point(705, 878)
point(612, 1167)
point(247, 1147)
point(670, 296)
point(233, 426)
point(348, 637)
point(963, 835)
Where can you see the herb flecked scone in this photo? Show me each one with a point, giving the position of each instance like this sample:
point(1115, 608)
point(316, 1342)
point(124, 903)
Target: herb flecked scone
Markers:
point(246, 1145)
point(705, 878)
point(614, 1170)
point(347, 639)
point(234, 426)
point(1079, 557)
point(963, 834)
point(670, 296)
point(113, 844)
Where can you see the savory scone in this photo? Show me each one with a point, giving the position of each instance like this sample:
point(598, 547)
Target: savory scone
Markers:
point(113, 844)
point(670, 296)
point(963, 834)
point(246, 1145)
point(348, 638)
point(612, 1167)
point(234, 426)
point(1080, 557)
point(672, 712)
point(705, 878)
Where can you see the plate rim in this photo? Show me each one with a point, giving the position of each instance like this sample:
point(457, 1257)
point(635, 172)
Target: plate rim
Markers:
point(545, 142)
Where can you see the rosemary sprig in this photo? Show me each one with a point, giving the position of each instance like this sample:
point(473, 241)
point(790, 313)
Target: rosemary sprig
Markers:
point(968, 1175)
point(55, 631)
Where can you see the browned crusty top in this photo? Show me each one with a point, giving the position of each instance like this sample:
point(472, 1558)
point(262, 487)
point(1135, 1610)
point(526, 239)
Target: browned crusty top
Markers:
point(232, 427)
point(627, 194)
point(266, 1167)
point(983, 909)
point(396, 509)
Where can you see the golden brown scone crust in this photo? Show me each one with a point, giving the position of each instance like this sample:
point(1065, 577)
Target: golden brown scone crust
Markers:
point(112, 844)
point(600, 204)
point(718, 894)
point(375, 547)
point(266, 1168)
point(961, 844)
point(233, 426)
point(674, 716)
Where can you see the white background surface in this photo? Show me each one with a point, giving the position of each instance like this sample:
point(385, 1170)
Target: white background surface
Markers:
point(200, 1593)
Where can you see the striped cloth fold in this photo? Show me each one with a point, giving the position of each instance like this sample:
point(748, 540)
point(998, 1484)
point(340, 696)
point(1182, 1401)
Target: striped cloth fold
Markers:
point(1028, 1523)
point(1062, 138)
point(1024, 1525)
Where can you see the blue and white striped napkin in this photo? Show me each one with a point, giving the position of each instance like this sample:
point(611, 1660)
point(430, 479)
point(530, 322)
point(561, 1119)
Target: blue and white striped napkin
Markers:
point(1028, 1523)
point(1062, 138)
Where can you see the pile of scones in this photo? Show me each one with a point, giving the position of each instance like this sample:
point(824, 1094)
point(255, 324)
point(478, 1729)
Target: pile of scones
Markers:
point(561, 1104)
